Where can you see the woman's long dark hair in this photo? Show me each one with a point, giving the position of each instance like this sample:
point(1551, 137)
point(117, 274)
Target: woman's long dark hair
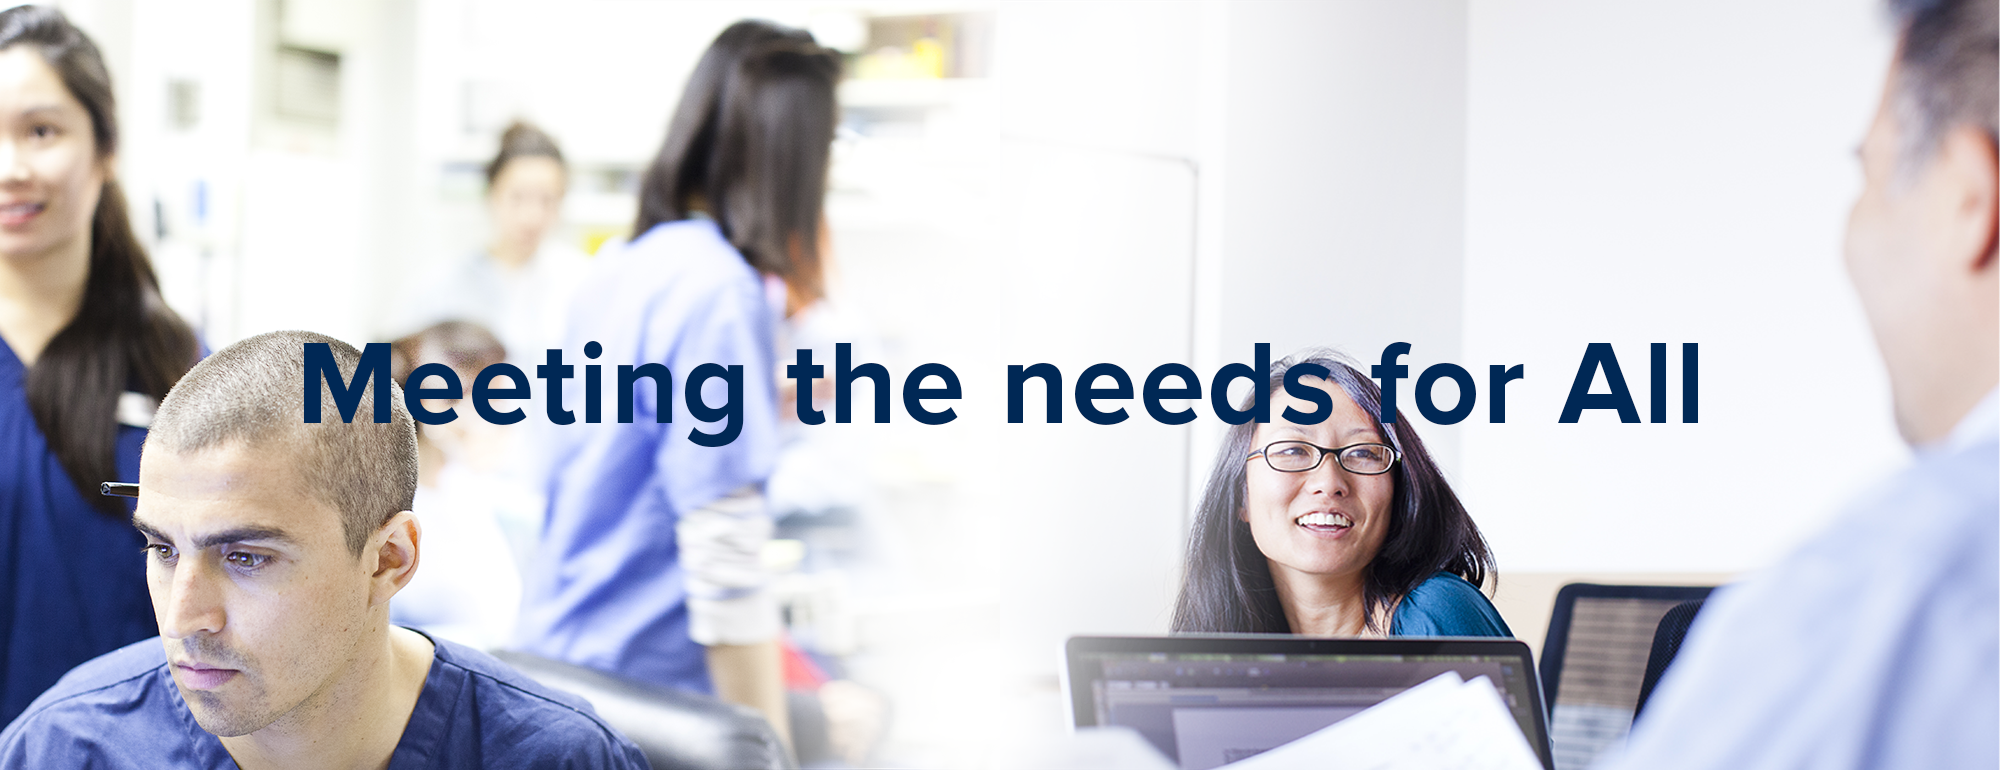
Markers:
point(124, 337)
point(750, 141)
point(1227, 583)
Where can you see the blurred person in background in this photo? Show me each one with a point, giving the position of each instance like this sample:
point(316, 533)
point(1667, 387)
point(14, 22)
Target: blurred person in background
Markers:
point(476, 516)
point(649, 565)
point(87, 350)
point(1876, 644)
point(1344, 527)
point(520, 284)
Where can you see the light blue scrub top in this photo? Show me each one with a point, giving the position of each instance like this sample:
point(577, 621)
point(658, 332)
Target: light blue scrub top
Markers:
point(1875, 645)
point(606, 587)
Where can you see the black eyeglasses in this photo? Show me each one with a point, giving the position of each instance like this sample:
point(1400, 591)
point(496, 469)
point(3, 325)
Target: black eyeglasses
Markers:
point(1301, 456)
point(118, 489)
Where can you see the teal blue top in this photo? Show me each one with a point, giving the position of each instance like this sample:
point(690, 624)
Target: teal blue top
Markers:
point(1446, 605)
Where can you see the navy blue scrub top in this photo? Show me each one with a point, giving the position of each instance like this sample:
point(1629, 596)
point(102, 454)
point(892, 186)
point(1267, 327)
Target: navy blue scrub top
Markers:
point(123, 710)
point(72, 580)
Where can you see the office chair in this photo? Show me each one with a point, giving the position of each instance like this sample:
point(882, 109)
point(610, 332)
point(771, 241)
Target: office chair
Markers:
point(676, 730)
point(1666, 644)
point(1594, 662)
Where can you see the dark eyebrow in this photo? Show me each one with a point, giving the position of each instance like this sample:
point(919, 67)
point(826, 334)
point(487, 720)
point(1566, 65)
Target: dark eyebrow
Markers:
point(213, 539)
point(244, 535)
point(146, 529)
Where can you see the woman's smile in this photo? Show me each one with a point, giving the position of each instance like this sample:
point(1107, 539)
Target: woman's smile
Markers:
point(13, 215)
point(1323, 524)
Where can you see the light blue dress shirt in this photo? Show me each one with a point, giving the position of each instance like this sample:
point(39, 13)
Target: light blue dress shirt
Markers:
point(1876, 645)
point(606, 587)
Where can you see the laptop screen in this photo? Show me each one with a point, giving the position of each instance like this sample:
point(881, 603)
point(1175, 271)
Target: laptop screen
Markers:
point(1206, 701)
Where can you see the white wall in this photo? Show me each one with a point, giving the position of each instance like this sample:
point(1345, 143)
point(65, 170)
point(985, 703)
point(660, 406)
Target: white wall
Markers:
point(1673, 172)
point(1342, 169)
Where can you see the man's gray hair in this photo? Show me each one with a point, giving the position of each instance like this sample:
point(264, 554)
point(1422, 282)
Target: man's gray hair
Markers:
point(1950, 55)
point(253, 392)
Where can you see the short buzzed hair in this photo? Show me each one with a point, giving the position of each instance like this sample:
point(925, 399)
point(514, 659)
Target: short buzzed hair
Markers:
point(253, 392)
point(1949, 56)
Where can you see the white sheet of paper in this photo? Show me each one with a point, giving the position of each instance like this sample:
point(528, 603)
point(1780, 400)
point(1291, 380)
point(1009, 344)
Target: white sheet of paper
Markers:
point(1443, 724)
point(1097, 748)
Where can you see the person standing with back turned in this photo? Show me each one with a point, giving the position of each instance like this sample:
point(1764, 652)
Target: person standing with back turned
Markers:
point(649, 564)
point(1877, 644)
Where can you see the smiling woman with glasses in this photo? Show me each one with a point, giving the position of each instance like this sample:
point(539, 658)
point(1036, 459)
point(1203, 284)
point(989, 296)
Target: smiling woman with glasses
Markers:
point(1344, 527)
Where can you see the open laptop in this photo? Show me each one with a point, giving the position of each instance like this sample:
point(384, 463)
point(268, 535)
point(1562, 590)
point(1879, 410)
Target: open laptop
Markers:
point(1209, 699)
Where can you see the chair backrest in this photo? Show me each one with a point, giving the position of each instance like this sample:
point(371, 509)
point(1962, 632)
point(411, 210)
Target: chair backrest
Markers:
point(1666, 644)
point(1594, 662)
point(675, 729)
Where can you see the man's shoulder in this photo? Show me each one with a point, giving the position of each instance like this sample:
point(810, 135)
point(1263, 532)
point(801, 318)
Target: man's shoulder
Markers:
point(124, 693)
point(1942, 504)
point(519, 714)
point(1924, 539)
point(1876, 637)
point(127, 672)
point(493, 674)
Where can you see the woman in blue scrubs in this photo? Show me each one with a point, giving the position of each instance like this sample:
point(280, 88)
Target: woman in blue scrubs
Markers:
point(1335, 526)
point(649, 560)
point(87, 348)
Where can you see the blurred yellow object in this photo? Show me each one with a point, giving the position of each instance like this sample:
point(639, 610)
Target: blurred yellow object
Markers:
point(927, 58)
point(923, 61)
point(594, 238)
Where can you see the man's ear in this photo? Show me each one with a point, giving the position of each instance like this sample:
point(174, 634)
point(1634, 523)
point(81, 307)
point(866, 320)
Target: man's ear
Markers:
point(395, 548)
point(1971, 166)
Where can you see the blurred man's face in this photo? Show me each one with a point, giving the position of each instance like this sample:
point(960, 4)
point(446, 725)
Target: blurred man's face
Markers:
point(260, 604)
point(1898, 261)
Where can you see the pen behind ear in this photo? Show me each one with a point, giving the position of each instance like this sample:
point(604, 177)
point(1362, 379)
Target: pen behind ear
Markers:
point(118, 489)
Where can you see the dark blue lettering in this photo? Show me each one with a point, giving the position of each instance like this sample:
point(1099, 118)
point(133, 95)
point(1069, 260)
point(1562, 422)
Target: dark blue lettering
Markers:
point(1388, 372)
point(730, 410)
point(844, 375)
point(1320, 399)
point(1087, 393)
point(1155, 393)
point(1467, 395)
point(1259, 377)
point(1017, 378)
point(483, 392)
point(414, 393)
point(320, 367)
point(914, 393)
point(1599, 355)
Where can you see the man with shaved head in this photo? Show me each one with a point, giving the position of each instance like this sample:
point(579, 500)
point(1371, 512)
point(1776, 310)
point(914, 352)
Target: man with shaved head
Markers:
point(273, 548)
